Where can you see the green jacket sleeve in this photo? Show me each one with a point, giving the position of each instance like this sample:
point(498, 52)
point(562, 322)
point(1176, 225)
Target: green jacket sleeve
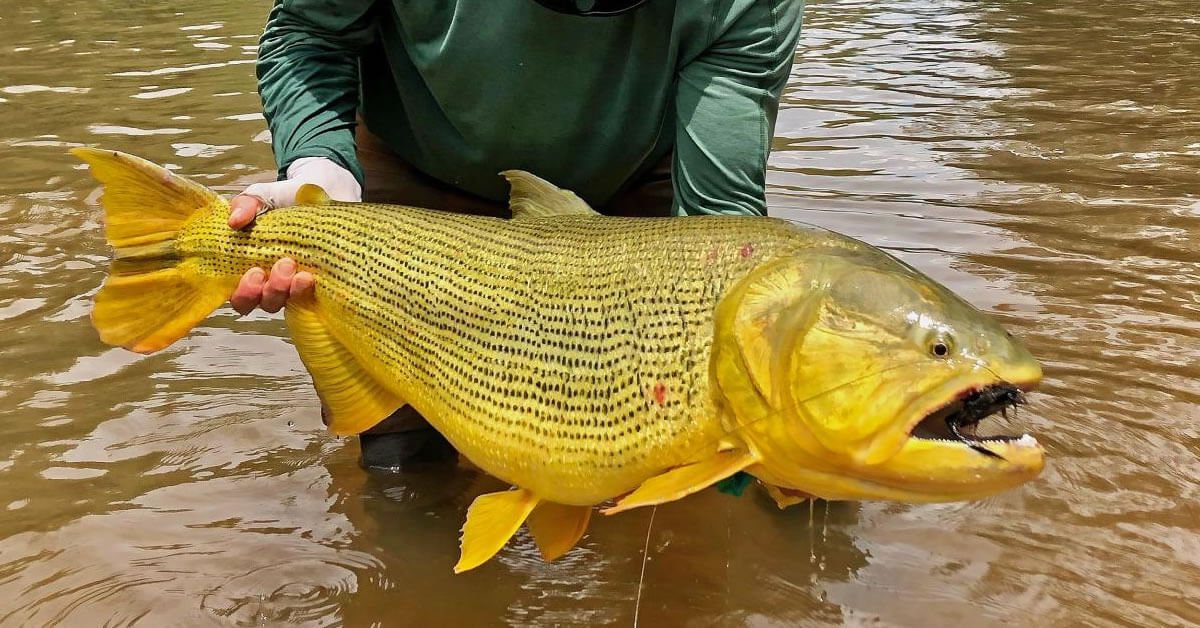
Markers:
point(726, 104)
point(308, 78)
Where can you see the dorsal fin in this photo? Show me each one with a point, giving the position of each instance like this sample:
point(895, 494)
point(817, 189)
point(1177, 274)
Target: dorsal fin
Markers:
point(312, 195)
point(534, 197)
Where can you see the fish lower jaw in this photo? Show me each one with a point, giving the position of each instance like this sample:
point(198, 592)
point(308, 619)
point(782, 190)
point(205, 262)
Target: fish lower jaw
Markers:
point(830, 485)
point(924, 471)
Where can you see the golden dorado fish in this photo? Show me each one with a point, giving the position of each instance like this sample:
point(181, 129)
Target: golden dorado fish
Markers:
point(590, 360)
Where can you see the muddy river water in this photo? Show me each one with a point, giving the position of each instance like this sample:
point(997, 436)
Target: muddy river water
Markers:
point(1042, 158)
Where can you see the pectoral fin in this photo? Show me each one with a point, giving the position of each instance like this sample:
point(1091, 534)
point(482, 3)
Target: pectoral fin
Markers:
point(354, 400)
point(682, 481)
point(557, 527)
point(492, 519)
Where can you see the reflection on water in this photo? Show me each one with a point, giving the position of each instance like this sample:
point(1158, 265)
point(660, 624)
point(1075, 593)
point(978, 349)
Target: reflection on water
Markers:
point(1043, 159)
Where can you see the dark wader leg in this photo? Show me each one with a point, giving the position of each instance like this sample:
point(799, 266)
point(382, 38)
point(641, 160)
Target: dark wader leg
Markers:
point(405, 439)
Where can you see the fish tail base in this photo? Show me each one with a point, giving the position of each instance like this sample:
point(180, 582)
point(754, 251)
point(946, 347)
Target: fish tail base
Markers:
point(153, 296)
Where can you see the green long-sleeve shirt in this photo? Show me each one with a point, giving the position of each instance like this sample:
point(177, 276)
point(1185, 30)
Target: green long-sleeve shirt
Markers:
point(463, 89)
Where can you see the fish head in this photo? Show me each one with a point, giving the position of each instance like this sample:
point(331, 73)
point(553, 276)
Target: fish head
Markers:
point(854, 376)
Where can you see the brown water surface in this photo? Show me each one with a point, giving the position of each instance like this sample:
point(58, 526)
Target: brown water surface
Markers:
point(1041, 158)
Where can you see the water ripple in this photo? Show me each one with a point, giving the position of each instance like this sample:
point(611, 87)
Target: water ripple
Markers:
point(1042, 159)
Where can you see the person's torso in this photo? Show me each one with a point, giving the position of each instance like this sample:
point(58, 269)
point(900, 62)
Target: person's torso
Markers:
point(464, 89)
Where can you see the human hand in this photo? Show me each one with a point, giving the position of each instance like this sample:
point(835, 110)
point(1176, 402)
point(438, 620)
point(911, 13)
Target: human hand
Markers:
point(270, 292)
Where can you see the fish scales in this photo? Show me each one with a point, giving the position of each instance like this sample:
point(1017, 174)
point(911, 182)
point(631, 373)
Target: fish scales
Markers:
point(557, 348)
point(568, 352)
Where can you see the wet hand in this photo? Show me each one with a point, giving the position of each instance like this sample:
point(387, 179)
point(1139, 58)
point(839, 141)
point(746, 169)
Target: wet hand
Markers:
point(271, 291)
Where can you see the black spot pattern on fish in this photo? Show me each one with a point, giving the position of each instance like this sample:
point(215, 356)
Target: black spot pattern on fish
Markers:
point(537, 344)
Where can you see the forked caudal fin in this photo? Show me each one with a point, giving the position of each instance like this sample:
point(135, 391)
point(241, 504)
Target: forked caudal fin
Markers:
point(152, 297)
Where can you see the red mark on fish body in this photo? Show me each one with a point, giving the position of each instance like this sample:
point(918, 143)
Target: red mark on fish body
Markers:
point(747, 250)
point(660, 393)
point(712, 255)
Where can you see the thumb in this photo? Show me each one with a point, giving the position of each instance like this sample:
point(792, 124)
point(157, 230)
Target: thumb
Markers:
point(243, 209)
point(260, 197)
point(276, 193)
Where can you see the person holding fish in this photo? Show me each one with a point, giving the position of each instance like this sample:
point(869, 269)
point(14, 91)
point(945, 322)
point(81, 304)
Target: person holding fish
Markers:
point(591, 363)
point(642, 107)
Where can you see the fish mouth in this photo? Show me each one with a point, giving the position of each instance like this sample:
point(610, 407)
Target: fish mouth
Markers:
point(959, 420)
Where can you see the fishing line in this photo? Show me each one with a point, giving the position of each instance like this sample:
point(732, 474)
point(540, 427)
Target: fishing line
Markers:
point(637, 606)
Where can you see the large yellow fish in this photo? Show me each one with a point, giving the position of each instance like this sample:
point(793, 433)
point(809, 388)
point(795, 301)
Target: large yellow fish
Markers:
point(584, 358)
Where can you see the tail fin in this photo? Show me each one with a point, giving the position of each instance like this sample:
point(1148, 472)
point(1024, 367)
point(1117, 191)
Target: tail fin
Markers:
point(152, 296)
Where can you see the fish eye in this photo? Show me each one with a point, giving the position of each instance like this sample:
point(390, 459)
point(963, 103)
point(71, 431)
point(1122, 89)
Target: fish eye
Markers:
point(940, 348)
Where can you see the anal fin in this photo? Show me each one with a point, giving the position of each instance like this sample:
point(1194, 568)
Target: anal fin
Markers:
point(492, 519)
point(354, 400)
point(683, 481)
point(558, 527)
